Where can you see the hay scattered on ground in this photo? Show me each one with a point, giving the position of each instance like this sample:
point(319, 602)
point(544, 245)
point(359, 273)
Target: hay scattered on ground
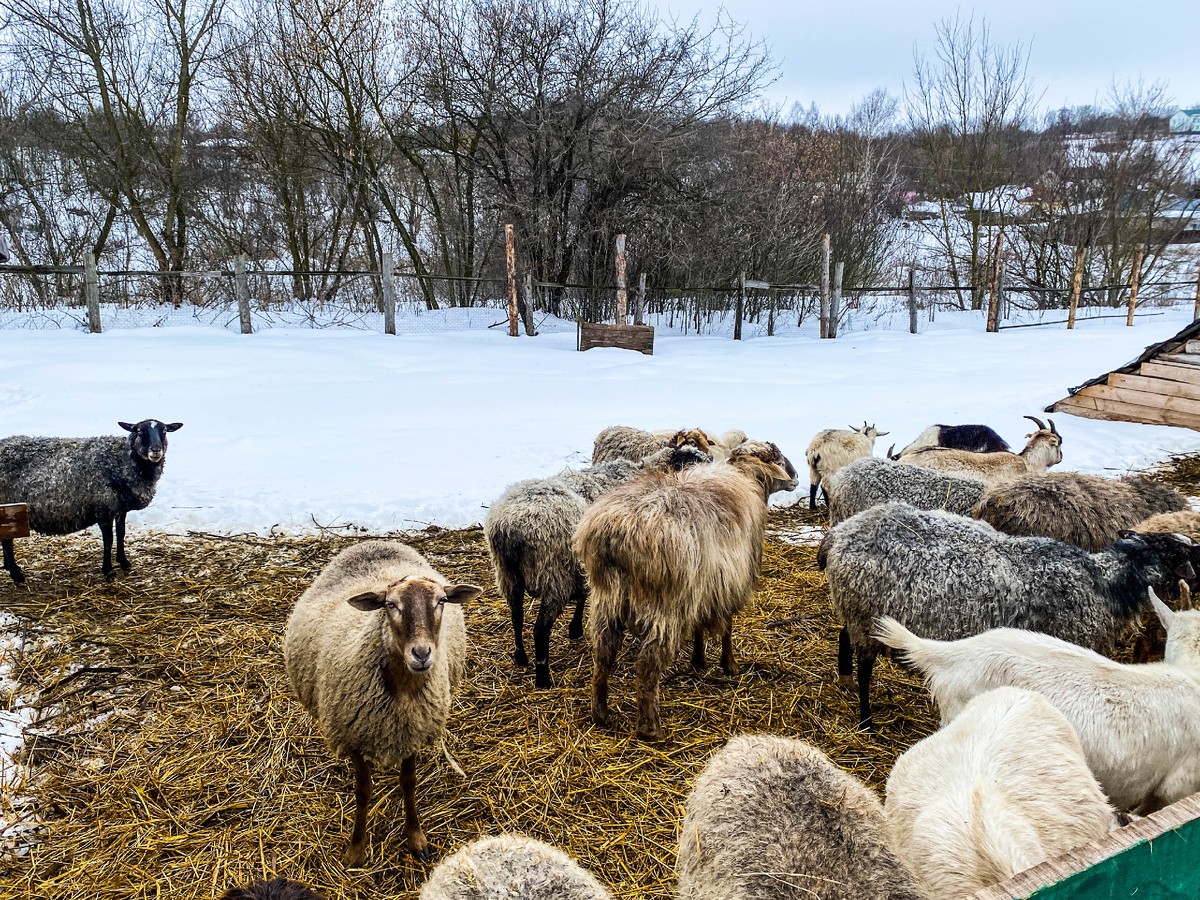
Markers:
point(176, 762)
point(1181, 471)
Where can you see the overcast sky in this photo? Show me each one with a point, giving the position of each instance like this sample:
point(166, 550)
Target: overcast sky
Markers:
point(833, 53)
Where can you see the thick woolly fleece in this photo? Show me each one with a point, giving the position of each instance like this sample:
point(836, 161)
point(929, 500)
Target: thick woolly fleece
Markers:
point(1000, 789)
point(1184, 522)
point(871, 481)
point(773, 819)
point(335, 655)
point(1083, 510)
point(623, 442)
point(947, 576)
point(511, 867)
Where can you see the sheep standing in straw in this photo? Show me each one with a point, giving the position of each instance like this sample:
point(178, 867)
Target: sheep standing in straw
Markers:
point(375, 649)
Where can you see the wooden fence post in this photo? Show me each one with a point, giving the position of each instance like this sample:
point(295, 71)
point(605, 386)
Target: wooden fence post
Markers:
point(622, 296)
point(388, 278)
point(1133, 287)
point(91, 291)
point(510, 253)
point(835, 299)
point(740, 307)
point(530, 330)
point(993, 316)
point(825, 286)
point(912, 300)
point(639, 306)
point(241, 287)
point(1196, 312)
point(1076, 285)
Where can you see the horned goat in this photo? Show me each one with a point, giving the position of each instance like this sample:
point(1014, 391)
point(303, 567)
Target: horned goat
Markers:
point(833, 448)
point(975, 438)
point(1044, 449)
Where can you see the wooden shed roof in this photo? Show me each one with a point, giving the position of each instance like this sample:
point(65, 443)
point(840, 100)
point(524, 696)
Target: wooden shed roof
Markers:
point(1160, 387)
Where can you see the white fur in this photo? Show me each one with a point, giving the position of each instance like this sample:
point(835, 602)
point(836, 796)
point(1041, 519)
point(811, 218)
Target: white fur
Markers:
point(833, 448)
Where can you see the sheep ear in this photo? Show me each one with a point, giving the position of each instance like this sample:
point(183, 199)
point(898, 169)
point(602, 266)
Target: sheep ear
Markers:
point(462, 593)
point(368, 602)
point(174, 426)
point(1161, 610)
point(127, 426)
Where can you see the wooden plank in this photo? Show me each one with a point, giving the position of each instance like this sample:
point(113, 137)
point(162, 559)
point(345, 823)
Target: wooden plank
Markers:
point(1149, 851)
point(14, 521)
point(627, 337)
point(1155, 385)
point(1116, 411)
point(1143, 398)
point(1193, 346)
point(1160, 369)
point(1181, 359)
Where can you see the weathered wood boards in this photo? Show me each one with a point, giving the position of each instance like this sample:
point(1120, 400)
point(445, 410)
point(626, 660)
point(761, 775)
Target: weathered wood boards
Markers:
point(1154, 858)
point(14, 521)
point(1164, 390)
point(627, 337)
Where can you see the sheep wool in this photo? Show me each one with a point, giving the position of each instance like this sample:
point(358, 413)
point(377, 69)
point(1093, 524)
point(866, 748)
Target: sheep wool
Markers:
point(869, 482)
point(771, 818)
point(1183, 522)
point(511, 867)
point(1000, 789)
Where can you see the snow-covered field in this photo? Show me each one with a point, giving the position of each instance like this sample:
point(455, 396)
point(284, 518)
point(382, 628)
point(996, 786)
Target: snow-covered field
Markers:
point(289, 427)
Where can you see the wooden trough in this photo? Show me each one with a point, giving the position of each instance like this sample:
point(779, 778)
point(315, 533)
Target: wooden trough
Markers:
point(14, 521)
point(1155, 858)
point(627, 337)
point(1160, 387)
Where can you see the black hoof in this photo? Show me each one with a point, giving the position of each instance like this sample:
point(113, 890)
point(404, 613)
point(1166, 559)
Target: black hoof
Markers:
point(17, 576)
point(125, 564)
point(110, 575)
point(425, 854)
point(542, 679)
point(520, 658)
point(575, 631)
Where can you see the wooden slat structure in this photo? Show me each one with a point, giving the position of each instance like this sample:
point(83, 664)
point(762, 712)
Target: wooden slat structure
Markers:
point(1155, 858)
point(627, 337)
point(1160, 387)
point(14, 521)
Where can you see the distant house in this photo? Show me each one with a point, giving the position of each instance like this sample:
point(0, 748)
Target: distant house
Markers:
point(1185, 121)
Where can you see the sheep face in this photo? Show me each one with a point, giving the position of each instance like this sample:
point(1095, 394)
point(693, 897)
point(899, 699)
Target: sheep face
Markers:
point(1170, 557)
point(413, 607)
point(694, 437)
point(148, 439)
point(769, 467)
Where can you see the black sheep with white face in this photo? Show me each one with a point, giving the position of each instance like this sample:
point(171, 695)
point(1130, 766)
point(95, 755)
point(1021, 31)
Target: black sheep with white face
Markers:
point(73, 483)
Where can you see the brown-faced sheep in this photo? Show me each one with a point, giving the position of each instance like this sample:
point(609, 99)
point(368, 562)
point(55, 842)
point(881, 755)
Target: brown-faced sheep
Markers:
point(1044, 449)
point(374, 650)
point(1084, 510)
point(773, 819)
point(623, 442)
point(511, 867)
point(675, 555)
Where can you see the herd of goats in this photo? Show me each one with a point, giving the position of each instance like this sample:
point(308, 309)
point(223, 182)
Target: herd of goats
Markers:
point(1006, 586)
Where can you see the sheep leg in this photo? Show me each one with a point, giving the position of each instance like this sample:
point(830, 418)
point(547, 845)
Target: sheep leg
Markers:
point(649, 668)
point(698, 660)
point(417, 845)
point(106, 532)
point(866, 663)
point(728, 663)
point(845, 657)
point(605, 645)
point(10, 562)
point(516, 606)
point(356, 851)
point(812, 496)
point(575, 631)
point(122, 559)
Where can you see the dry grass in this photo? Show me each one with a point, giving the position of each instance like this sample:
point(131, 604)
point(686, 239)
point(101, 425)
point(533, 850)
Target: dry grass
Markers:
point(177, 763)
point(1181, 471)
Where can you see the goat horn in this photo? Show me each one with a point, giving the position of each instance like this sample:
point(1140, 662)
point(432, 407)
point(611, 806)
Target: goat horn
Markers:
point(889, 453)
point(1040, 424)
point(1053, 430)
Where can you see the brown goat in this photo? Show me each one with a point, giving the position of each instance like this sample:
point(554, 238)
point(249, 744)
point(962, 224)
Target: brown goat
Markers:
point(675, 555)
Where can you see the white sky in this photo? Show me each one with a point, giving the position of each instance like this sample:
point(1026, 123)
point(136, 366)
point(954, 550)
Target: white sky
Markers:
point(833, 53)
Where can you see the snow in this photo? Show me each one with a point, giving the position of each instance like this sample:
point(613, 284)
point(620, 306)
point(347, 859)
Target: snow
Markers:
point(288, 428)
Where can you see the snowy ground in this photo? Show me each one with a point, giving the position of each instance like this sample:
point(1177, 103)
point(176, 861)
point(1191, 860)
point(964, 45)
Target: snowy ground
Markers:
point(347, 426)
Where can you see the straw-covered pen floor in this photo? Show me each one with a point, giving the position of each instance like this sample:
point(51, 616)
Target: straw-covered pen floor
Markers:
point(172, 761)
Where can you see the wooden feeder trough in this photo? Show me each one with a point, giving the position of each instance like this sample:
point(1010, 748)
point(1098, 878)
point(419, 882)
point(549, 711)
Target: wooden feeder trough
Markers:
point(627, 337)
point(1155, 858)
point(14, 521)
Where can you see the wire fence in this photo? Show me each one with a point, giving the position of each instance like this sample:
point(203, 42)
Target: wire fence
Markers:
point(49, 297)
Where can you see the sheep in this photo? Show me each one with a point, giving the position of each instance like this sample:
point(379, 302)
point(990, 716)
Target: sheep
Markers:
point(1138, 724)
point(1084, 510)
point(670, 555)
point(719, 445)
point(834, 448)
point(375, 649)
point(275, 889)
point(1044, 449)
point(73, 483)
point(528, 532)
point(623, 442)
point(1001, 788)
point(975, 438)
point(511, 867)
point(771, 818)
point(1185, 521)
point(870, 481)
point(949, 576)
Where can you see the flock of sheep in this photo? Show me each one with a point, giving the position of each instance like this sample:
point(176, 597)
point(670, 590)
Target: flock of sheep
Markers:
point(1004, 585)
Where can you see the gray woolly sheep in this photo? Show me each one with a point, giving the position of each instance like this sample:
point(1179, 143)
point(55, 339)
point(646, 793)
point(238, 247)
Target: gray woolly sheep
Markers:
point(871, 481)
point(1138, 725)
point(1044, 449)
point(511, 867)
point(275, 889)
point(976, 438)
point(773, 819)
point(948, 577)
point(833, 448)
point(671, 556)
point(1003, 787)
point(73, 483)
point(529, 530)
point(374, 650)
point(1083, 510)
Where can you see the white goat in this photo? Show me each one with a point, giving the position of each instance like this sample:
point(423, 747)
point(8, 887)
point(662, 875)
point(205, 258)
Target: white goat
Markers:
point(1044, 449)
point(833, 448)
